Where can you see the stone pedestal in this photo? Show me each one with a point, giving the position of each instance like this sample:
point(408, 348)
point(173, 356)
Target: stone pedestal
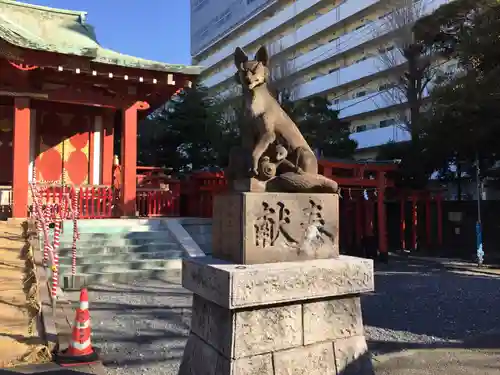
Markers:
point(278, 318)
point(251, 228)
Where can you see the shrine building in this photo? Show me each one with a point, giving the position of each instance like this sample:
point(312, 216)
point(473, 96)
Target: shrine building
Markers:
point(62, 97)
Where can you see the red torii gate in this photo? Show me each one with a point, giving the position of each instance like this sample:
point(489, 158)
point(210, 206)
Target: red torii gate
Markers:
point(361, 176)
point(416, 196)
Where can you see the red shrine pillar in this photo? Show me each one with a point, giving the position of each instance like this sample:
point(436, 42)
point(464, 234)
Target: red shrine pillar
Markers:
point(428, 220)
point(129, 161)
point(439, 204)
point(414, 221)
point(402, 228)
point(359, 221)
point(349, 222)
point(107, 147)
point(369, 210)
point(20, 157)
point(381, 214)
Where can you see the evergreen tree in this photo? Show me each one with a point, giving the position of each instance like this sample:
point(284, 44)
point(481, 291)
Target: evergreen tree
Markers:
point(323, 130)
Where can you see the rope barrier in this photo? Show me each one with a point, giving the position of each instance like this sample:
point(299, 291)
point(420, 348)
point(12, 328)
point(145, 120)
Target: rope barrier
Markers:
point(44, 214)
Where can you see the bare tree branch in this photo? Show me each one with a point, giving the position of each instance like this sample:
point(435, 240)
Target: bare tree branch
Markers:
point(409, 62)
point(281, 71)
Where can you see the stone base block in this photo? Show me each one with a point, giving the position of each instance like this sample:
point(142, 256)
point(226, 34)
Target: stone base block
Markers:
point(292, 319)
point(235, 286)
point(251, 228)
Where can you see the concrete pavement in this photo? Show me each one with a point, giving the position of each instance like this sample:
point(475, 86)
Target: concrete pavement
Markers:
point(53, 369)
point(451, 361)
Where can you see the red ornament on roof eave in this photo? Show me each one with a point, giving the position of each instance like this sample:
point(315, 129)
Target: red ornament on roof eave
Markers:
point(23, 67)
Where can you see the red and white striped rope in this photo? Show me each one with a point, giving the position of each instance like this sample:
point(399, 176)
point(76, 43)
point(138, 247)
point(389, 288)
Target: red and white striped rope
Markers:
point(65, 208)
point(55, 274)
point(42, 216)
point(55, 263)
point(76, 234)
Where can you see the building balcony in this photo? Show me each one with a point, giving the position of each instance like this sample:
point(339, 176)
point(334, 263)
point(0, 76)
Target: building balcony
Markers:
point(329, 82)
point(369, 103)
point(373, 102)
point(334, 16)
point(380, 136)
point(369, 31)
point(316, 56)
point(363, 69)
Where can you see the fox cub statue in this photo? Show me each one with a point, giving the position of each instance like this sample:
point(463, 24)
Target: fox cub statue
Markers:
point(273, 149)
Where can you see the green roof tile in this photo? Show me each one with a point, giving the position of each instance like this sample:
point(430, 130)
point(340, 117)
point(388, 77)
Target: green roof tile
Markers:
point(64, 31)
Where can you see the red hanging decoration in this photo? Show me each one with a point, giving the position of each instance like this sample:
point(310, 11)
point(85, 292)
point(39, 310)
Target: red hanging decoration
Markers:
point(23, 67)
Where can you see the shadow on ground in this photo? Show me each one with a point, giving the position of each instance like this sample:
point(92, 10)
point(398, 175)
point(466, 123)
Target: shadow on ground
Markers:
point(47, 369)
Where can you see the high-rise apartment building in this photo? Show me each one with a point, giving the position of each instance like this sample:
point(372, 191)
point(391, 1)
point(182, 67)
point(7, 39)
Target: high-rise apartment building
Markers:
point(345, 50)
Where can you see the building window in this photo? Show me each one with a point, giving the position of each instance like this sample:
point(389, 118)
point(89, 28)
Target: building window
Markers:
point(386, 86)
point(202, 32)
point(360, 94)
point(223, 18)
point(198, 4)
point(387, 122)
point(386, 49)
point(385, 15)
point(360, 128)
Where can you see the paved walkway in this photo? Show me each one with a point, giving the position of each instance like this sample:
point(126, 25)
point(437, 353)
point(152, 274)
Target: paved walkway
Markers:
point(53, 369)
point(440, 362)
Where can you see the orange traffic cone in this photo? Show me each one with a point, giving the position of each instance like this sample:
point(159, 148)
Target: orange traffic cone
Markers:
point(80, 350)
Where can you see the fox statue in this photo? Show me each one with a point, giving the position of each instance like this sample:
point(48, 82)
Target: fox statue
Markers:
point(273, 148)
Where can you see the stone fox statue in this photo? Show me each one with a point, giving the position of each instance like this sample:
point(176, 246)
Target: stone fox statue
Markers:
point(273, 147)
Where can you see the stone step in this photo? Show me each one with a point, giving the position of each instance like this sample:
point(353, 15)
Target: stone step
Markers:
point(114, 266)
point(125, 276)
point(68, 229)
point(121, 257)
point(92, 237)
point(121, 242)
point(114, 226)
point(113, 249)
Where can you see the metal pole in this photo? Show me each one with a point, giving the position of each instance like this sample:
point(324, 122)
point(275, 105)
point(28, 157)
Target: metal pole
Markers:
point(479, 231)
point(479, 190)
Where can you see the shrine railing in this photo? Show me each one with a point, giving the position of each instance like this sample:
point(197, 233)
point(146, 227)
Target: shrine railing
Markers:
point(198, 193)
point(160, 195)
point(151, 202)
point(5, 201)
point(94, 202)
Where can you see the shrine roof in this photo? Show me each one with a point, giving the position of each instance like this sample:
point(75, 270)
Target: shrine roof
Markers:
point(66, 32)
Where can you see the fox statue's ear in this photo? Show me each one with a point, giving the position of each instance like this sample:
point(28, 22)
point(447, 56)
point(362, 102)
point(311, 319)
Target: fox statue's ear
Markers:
point(262, 56)
point(240, 57)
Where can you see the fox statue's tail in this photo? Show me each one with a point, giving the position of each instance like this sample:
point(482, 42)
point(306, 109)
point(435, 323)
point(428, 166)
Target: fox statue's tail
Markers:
point(303, 183)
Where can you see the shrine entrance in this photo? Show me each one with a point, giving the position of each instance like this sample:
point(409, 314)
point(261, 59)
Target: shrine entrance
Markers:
point(60, 100)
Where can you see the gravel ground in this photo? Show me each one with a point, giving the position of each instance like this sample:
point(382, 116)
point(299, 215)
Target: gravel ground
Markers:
point(141, 327)
point(416, 305)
